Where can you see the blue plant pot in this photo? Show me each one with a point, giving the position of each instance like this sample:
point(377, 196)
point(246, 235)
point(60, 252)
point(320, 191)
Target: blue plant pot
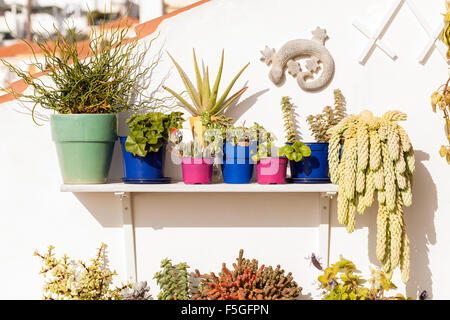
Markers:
point(313, 169)
point(237, 167)
point(139, 168)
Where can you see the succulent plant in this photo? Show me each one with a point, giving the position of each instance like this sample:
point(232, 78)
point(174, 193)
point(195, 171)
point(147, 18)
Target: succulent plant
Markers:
point(173, 281)
point(140, 291)
point(340, 282)
point(66, 279)
point(445, 33)
point(330, 116)
point(288, 117)
point(247, 281)
point(377, 156)
point(205, 98)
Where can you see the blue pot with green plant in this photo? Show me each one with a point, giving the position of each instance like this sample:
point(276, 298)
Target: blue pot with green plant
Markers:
point(240, 145)
point(144, 148)
point(315, 169)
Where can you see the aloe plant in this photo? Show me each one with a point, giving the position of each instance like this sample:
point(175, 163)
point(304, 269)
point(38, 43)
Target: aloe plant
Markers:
point(204, 98)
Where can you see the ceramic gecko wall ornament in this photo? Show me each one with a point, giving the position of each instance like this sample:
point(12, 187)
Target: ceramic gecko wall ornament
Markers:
point(319, 58)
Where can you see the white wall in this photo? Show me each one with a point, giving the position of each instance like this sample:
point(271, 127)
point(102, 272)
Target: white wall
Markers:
point(206, 230)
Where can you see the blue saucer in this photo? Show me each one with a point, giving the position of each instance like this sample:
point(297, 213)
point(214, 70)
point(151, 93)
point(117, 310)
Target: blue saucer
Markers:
point(309, 181)
point(147, 181)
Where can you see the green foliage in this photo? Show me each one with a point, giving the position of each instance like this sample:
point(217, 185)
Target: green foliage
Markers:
point(330, 116)
point(204, 98)
point(341, 283)
point(67, 280)
point(211, 145)
point(288, 117)
point(110, 81)
point(149, 132)
point(296, 152)
point(173, 281)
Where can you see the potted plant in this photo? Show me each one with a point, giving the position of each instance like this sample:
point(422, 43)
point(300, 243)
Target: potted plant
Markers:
point(85, 94)
point(240, 145)
point(144, 148)
point(315, 168)
point(205, 99)
point(270, 168)
point(196, 160)
point(295, 151)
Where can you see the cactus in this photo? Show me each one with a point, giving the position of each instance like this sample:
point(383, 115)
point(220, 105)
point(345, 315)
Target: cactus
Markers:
point(288, 117)
point(247, 281)
point(173, 281)
point(377, 156)
point(330, 116)
point(140, 291)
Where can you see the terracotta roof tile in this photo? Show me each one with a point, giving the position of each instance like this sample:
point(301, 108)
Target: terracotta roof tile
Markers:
point(142, 31)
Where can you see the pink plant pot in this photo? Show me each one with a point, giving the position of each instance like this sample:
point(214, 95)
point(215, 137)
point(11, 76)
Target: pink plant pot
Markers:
point(271, 170)
point(197, 171)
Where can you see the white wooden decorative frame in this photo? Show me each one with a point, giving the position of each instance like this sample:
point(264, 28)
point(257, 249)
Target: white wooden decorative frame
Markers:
point(375, 39)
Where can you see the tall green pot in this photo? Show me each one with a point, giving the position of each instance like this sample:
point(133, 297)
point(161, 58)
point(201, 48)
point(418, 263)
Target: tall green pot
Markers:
point(84, 144)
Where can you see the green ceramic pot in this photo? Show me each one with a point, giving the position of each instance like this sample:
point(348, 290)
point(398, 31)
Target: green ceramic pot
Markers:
point(84, 144)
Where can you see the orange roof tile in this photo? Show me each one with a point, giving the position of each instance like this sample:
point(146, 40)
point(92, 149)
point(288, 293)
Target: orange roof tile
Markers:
point(126, 22)
point(142, 31)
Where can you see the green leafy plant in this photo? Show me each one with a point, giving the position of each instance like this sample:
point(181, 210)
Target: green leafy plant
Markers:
point(109, 81)
point(441, 98)
point(295, 152)
point(340, 282)
point(66, 279)
point(149, 132)
point(173, 281)
point(330, 116)
point(247, 281)
point(205, 98)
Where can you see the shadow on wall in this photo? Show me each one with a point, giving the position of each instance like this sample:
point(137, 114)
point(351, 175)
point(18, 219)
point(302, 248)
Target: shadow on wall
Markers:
point(159, 210)
point(419, 220)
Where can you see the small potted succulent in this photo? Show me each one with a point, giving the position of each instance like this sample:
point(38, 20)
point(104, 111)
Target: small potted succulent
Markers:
point(315, 168)
point(144, 148)
point(205, 99)
point(88, 88)
point(270, 168)
point(197, 160)
point(240, 145)
point(295, 151)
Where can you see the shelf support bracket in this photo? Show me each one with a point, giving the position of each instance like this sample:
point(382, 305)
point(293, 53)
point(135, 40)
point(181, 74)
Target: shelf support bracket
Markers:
point(324, 226)
point(128, 233)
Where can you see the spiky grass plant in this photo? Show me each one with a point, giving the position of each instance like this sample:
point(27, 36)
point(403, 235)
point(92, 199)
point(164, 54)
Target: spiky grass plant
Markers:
point(110, 80)
point(204, 98)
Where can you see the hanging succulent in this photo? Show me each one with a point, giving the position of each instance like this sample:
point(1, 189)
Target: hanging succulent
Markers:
point(247, 281)
point(173, 281)
point(377, 156)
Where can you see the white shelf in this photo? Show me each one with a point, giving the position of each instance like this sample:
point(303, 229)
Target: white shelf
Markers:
point(181, 187)
point(126, 191)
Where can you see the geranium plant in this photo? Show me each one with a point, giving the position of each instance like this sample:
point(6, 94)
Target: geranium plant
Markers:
point(149, 132)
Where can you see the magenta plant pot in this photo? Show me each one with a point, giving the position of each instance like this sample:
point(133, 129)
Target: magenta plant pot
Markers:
point(197, 171)
point(271, 170)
